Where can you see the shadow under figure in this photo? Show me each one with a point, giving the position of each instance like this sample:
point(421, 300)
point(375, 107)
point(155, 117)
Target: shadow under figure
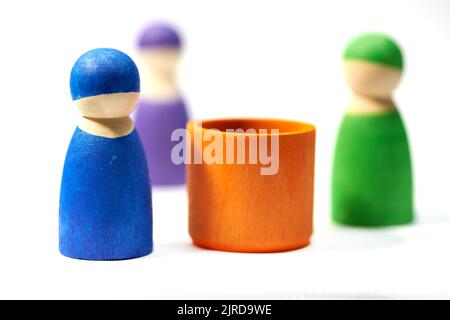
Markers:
point(372, 175)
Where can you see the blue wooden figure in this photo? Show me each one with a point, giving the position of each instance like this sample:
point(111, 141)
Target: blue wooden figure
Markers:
point(105, 204)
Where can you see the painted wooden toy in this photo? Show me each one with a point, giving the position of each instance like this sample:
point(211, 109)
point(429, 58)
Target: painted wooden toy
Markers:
point(161, 108)
point(372, 176)
point(251, 190)
point(105, 203)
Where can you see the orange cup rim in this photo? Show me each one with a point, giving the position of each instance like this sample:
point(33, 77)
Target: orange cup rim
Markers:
point(303, 127)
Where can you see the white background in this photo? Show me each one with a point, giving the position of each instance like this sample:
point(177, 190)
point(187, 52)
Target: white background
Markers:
point(242, 58)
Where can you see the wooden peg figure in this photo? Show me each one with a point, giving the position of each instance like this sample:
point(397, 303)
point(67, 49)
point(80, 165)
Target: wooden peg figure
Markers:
point(161, 107)
point(372, 176)
point(105, 204)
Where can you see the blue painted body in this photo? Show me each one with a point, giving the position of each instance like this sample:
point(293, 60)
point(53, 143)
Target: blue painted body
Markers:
point(105, 204)
point(103, 71)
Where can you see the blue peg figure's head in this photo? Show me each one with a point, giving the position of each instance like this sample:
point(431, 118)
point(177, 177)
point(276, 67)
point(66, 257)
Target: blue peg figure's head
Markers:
point(105, 84)
point(160, 48)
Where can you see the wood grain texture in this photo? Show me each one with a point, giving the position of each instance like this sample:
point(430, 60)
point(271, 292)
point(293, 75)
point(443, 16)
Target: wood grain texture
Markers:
point(105, 210)
point(232, 207)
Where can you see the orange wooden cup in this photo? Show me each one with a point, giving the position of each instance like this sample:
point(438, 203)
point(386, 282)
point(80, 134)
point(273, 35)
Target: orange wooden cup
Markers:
point(233, 206)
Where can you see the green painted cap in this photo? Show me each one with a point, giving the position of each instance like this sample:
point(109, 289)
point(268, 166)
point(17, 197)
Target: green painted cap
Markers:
point(376, 48)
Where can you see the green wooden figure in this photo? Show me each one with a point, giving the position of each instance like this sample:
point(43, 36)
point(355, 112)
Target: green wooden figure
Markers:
point(372, 176)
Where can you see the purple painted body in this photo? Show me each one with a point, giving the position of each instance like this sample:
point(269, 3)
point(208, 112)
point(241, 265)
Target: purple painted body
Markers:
point(155, 121)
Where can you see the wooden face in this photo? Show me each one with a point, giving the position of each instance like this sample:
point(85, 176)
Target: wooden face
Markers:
point(107, 106)
point(371, 79)
point(161, 59)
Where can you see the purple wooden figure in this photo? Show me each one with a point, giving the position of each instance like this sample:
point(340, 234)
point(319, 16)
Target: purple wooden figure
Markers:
point(161, 109)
